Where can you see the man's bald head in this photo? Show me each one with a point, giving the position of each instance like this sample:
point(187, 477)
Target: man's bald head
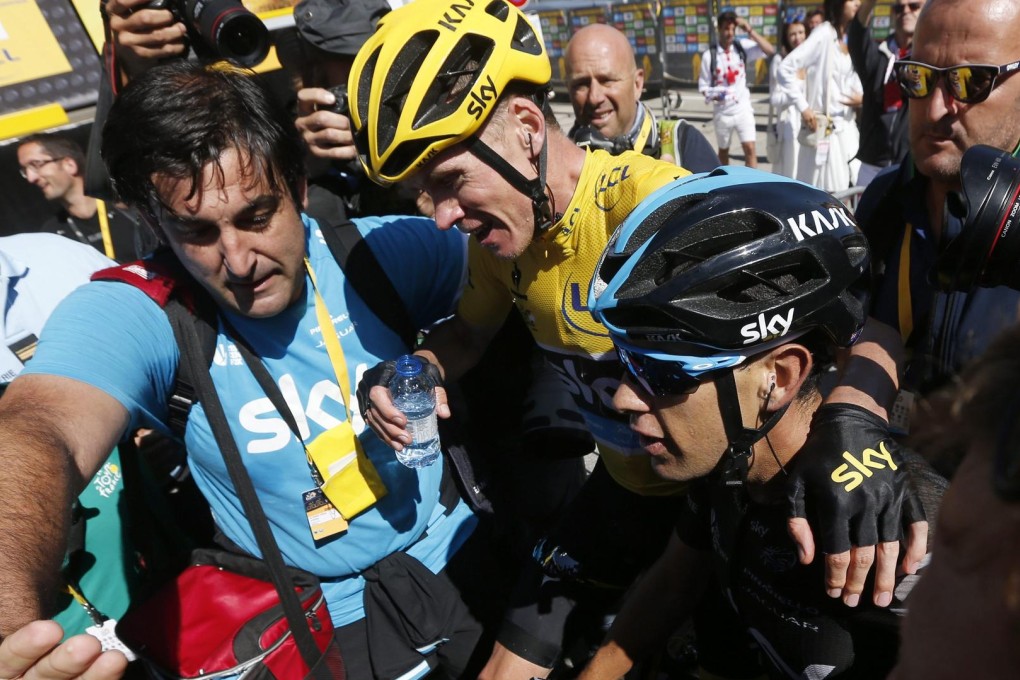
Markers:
point(950, 33)
point(603, 79)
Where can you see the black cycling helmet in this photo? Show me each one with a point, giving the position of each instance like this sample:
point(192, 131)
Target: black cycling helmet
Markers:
point(715, 268)
point(987, 249)
point(732, 260)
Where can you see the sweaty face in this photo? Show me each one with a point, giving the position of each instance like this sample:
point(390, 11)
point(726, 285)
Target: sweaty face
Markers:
point(54, 176)
point(683, 434)
point(473, 197)
point(941, 128)
point(604, 86)
point(241, 239)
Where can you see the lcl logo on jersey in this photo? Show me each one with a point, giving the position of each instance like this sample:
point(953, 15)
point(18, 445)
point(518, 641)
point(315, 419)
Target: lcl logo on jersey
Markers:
point(576, 314)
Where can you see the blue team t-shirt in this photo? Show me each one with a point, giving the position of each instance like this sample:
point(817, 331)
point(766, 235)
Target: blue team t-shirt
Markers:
point(133, 357)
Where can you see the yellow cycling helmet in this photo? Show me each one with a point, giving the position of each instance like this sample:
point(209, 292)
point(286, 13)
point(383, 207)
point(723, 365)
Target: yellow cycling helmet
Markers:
point(430, 75)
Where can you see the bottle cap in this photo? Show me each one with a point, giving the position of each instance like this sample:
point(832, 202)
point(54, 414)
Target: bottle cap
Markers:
point(409, 365)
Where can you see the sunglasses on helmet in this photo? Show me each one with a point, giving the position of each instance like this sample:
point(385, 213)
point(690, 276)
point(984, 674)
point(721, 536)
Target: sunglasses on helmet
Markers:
point(663, 375)
point(967, 83)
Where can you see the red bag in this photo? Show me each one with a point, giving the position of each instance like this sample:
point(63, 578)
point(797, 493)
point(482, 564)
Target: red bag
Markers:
point(222, 617)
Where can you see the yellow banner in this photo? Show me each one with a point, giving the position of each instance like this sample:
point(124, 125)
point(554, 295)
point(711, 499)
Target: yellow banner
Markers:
point(28, 48)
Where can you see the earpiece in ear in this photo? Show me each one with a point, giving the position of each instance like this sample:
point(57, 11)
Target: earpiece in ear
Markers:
point(529, 140)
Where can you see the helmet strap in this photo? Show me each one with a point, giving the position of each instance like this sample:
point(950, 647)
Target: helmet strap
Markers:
point(735, 463)
point(533, 188)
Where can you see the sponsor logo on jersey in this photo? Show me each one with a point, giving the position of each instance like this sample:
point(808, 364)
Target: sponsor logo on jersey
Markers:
point(766, 329)
point(820, 222)
point(574, 308)
point(605, 198)
point(855, 470)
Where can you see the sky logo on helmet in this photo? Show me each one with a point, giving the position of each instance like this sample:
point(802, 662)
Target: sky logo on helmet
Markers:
point(766, 329)
point(837, 214)
point(481, 98)
point(455, 14)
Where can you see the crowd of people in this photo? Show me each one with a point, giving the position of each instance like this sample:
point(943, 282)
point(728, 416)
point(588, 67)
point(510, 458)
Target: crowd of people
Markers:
point(805, 439)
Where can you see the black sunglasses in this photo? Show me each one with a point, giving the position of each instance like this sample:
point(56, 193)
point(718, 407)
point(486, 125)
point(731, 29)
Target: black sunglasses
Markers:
point(662, 375)
point(967, 83)
point(912, 6)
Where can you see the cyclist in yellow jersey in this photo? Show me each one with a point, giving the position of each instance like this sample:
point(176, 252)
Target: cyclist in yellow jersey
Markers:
point(547, 285)
point(453, 97)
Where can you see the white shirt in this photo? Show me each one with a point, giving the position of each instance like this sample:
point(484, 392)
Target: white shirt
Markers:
point(727, 87)
point(37, 271)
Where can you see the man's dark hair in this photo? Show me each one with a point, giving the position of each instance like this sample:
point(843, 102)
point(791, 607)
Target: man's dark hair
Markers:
point(727, 17)
point(57, 146)
point(177, 118)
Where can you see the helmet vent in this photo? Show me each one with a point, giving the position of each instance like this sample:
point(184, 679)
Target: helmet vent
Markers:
point(525, 39)
point(402, 73)
point(455, 79)
point(365, 86)
point(498, 9)
point(793, 274)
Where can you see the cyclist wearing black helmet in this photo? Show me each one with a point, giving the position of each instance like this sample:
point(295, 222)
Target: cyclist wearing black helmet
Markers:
point(453, 98)
point(724, 315)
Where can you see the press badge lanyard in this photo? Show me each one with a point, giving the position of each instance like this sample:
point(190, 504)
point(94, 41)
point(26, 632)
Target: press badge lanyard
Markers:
point(104, 228)
point(346, 481)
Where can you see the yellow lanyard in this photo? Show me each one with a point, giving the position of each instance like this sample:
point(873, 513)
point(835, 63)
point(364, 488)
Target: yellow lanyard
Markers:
point(332, 340)
point(906, 314)
point(352, 483)
point(104, 228)
point(646, 129)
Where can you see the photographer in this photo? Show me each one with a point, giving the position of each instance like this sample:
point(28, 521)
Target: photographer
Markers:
point(908, 211)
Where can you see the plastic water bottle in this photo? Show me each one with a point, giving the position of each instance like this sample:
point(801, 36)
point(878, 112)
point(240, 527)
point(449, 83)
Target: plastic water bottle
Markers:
point(414, 393)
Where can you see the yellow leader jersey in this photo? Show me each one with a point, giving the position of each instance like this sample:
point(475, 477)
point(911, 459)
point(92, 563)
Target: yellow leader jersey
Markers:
point(549, 285)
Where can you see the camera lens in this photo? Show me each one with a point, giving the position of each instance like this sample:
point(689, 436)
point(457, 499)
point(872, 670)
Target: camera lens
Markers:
point(230, 30)
point(987, 250)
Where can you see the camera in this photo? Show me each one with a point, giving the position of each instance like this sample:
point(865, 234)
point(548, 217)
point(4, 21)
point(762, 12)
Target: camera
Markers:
point(586, 136)
point(343, 102)
point(986, 252)
point(221, 28)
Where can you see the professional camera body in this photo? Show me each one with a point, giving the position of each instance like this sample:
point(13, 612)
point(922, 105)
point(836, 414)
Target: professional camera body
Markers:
point(586, 136)
point(987, 250)
point(221, 28)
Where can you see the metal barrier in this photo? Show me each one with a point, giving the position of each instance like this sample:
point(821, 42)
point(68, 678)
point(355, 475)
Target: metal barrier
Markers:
point(850, 197)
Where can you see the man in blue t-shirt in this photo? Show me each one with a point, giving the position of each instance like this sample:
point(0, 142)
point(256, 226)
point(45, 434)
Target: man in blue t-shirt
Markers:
point(217, 169)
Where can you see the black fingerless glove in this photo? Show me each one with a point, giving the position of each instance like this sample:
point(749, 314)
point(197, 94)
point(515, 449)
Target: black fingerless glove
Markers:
point(849, 481)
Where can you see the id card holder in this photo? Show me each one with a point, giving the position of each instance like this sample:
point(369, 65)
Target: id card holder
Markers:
point(899, 417)
point(324, 520)
point(352, 483)
point(822, 151)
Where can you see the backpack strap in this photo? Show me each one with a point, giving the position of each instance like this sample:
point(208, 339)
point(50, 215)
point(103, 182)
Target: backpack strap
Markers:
point(367, 276)
point(163, 279)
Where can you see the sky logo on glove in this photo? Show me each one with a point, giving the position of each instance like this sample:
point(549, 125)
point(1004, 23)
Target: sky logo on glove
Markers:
point(854, 471)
